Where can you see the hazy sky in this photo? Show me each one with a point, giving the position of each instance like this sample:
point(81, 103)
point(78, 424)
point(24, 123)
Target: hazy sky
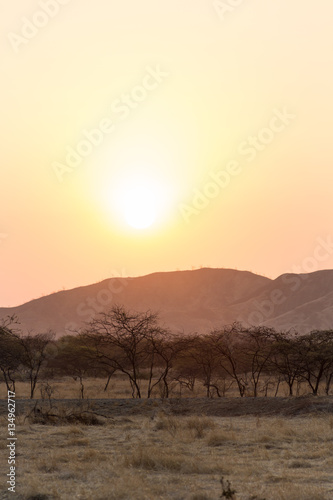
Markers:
point(209, 121)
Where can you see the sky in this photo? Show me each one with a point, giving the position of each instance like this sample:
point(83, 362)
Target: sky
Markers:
point(151, 136)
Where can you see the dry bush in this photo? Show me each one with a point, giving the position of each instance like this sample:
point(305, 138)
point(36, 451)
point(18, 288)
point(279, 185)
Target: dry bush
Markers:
point(221, 437)
point(39, 496)
point(48, 465)
point(77, 442)
point(62, 414)
point(155, 459)
point(196, 426)
point(167, 423)
point(76, 431)
point(199, 425)
point(299, 464)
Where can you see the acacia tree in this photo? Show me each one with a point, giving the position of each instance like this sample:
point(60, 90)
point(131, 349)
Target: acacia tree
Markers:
point(316, 353)
point(74, 359)
point(186, 370)
point(230, 342)
point(164, 348)
point(285, 358)
point(10, 352)
point(328, 372)
point(328, 369)
point(258, 349)
point(205, 355)
point(33, 355)
point(126, 341)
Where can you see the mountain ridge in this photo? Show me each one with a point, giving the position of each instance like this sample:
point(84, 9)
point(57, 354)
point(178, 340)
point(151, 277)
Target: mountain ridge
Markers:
point(191, 301)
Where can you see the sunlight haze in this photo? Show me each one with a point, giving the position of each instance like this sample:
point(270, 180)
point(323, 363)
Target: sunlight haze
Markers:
point(150, 136)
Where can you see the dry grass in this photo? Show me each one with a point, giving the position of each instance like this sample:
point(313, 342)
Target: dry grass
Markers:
point(81, 412)
point(118, 388)
point(175, 457)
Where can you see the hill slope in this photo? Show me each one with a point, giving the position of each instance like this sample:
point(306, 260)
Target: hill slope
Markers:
point(191, 301)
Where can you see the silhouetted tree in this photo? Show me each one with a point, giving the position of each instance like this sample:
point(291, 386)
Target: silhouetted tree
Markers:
point(207, 360)
point(74, 359)
point(285, 359)
point(186, 371)
point(164, 348)
point(230, 346)
point(33, 355)
point(10, 351)
point(122, 340)
point(257, 351)
point(316, 353)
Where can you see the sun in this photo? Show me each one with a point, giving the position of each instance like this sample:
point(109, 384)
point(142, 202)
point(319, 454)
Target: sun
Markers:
point(140, 206)
point(140, 201)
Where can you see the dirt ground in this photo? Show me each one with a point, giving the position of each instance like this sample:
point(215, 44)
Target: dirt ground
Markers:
point(219, 407)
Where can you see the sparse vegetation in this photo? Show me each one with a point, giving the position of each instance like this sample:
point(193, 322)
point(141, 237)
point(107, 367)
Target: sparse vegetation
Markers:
point(125, 345)
point(172, 446)
point(60, 414)
point(227, 491)
point(137, 457)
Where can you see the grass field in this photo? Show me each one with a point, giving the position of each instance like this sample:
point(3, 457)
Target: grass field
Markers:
point(177, 449)
point(174, 457)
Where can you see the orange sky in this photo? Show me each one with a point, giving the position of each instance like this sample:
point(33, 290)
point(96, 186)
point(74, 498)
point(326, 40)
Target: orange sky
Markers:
point(208, 121)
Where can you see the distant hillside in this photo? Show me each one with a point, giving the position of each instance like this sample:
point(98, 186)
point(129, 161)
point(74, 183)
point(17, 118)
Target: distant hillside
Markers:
point(192, 301)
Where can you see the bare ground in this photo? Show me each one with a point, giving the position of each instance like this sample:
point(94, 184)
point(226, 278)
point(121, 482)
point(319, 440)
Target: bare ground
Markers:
point(219, 407)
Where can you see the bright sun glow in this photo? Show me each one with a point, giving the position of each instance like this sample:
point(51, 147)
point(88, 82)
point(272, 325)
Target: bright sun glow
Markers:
point(140, 206)
point(140, 201)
